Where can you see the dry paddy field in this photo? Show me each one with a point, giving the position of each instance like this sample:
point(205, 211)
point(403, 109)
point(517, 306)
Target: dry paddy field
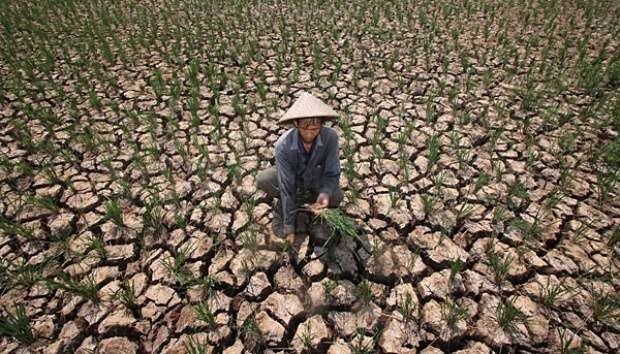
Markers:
point(480, 163)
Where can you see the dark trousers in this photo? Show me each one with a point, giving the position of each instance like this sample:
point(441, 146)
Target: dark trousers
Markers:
point(267, 181)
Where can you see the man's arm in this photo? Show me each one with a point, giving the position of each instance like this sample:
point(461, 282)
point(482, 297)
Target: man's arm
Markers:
point(331, 174)
point(286, 182)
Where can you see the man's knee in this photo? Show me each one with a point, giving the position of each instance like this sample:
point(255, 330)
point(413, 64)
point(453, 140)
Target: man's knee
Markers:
point(261, 180)
point(267, 181)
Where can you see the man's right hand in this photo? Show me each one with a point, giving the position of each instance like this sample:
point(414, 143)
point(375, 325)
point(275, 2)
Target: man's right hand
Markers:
point(290, 238)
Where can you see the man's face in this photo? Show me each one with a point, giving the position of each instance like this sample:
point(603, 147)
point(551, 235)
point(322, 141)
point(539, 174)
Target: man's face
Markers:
point(309, 128)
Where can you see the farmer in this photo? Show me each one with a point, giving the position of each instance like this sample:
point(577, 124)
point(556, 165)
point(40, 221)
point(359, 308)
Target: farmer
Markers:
point(307, 168)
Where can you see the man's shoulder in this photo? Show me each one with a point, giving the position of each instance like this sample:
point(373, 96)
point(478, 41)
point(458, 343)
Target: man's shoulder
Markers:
point(329, 133)
point(285, 139)
point(329, 130)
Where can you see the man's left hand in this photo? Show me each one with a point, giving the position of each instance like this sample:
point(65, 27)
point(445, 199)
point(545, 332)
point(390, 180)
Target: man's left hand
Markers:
point(322, 201)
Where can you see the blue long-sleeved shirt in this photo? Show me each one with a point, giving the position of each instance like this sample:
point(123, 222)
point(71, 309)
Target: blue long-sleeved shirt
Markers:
point(321, 172)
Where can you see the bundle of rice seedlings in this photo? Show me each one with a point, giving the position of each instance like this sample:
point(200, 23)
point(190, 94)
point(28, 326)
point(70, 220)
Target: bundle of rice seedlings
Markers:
point(337, 222)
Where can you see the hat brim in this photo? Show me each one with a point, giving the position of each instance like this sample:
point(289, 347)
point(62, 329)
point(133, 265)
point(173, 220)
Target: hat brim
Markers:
point(290, 120)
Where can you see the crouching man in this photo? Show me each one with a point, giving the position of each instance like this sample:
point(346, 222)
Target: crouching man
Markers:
point(307, 167)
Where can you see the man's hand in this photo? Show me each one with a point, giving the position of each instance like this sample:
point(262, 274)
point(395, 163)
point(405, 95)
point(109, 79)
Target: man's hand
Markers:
point(322, 201)
point(290, 238)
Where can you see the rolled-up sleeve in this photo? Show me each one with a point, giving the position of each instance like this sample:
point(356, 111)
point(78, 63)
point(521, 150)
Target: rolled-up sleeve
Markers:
point(286, 183)
point(331, 175)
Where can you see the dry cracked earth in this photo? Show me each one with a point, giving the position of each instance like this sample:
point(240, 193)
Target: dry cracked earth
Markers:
point(475, 163)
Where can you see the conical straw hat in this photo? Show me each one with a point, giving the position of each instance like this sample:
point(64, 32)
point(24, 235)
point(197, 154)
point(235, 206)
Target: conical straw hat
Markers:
point(308, 106)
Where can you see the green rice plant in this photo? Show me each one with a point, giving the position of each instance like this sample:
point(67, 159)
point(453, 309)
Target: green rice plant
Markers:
point(566, 176)
point(499, 266)
point(126, 294)
point(216, 203)
point(234, 172)
point(176, 265)
point(350, 166)
point(453, 311)
point(364, 291)
point(153, 216)
point(15, 228)
point(528, 230)
point(403, 165)
point(517, 190)
point(48, 169)
point(412, 259)
point(533, 157)
point(481, 181)
point(86, 287)
point(17, 325)
point(180, 220)
point(175, 89)
point(394, 195)
point(6, 278)
point(455, 267)
point(44, 202)
point(614, 240)
point(529, 95)
point(21, 273)
point(157, 84)
point(499, 215)
point(605, 306)
point(249, 239)
point(508, 316)
point(495, 135)
point(613, 72)
point(6, 165)
point(306, 337)
point(192, 72)
point(606, 184)
point(381, 123)
point(463, 211)
point(239, 108)
point(89, 138)
point(329, 286)
point(376, 146)
point(377, 248)
point(205, 283)
point(553, 199)
point(438, 180)
point(428, 203)
point(592, 75)
point(216, 121)
point(114, 212)
point(124, 185)
point(205, 314)
point(193, 346)
point(406, 307)
point(248, 268)
point(250, 206)
point(550, 293)
point(566, 343)
point(97, 244)
point(432, 143)
point(251, 334)
point(359, 346)
point(95, 101)
point(261, 88)
point(579, 234)
point(181, 150)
